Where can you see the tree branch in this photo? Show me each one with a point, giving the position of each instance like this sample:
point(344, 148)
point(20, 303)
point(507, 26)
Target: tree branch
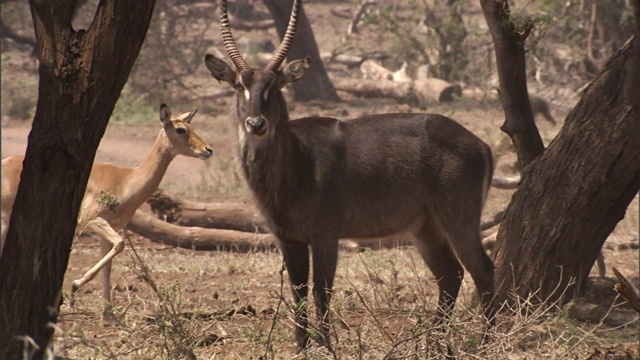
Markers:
point(627, 290)
point(8, 33)
point(631, 82)
point(509, 47)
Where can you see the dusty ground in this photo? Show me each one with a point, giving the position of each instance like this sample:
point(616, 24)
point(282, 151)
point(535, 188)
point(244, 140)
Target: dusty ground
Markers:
point(230, 300)
point(224, 305)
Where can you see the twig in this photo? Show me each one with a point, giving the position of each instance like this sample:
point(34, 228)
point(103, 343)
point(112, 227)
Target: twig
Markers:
point(268, 346)
point(627, 290)
point(353, 26)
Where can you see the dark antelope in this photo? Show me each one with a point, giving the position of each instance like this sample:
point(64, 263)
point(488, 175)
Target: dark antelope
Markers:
point(319, 179)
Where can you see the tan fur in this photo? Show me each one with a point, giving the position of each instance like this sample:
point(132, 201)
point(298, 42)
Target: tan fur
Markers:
point(131, 186)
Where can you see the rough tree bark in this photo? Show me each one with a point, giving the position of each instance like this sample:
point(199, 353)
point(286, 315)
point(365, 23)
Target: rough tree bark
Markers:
point(508, 40)
point(573, 195)
point(81, 76)
point(315, 85)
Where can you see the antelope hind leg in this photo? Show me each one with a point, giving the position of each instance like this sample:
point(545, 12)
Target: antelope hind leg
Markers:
point(445, 267)
point(101, 228)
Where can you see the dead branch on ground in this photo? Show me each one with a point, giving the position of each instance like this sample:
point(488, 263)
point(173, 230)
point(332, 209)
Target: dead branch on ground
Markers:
point(198, 238)
point(627, 290)
point(219, 215)
point(505, 182)
point(381, 82)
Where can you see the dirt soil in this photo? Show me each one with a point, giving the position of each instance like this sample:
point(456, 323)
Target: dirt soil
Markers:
point(222, 305)
point(227, 301)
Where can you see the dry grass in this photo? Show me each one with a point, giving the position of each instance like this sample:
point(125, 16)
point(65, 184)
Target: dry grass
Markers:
point(175, 303)
point(190, 304)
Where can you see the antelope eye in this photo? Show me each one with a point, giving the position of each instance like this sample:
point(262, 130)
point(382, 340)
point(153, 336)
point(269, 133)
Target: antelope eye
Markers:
point(181, 130)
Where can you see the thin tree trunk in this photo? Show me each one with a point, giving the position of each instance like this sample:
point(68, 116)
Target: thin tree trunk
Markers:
point(315, 85)
point(509, 47)
point(81, 76)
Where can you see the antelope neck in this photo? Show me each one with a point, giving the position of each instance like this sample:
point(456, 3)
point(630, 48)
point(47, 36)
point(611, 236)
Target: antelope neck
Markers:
point(268, 162)
point(148, 175)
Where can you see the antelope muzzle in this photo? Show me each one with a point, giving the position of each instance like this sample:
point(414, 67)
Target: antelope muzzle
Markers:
point(256, 125)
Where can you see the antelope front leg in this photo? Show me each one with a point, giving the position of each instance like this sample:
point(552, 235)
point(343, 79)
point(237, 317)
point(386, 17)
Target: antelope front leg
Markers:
point(296, 260)
point(101, 228)
point(325, 260)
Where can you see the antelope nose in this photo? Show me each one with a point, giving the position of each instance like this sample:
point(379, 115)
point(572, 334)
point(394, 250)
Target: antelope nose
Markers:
point(256, 125)
point(206, 153)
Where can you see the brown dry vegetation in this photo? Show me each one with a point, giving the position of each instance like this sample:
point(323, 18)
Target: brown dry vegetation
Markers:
point(236, 306)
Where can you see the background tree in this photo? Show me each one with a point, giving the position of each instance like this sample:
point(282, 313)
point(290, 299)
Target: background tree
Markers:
point(81, 75)
point(574, 192)
point(315, 85)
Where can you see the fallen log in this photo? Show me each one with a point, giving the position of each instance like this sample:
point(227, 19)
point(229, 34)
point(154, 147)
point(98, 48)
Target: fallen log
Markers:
point(367, 88)
point(436, 90)
point(198, 238)
point(243, 218)
point(226, 215)
point(505, 182)
point(425, 91)
point(344, 59)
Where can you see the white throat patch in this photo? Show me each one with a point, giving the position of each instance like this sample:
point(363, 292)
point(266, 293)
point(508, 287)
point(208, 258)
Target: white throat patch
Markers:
point(242, 137)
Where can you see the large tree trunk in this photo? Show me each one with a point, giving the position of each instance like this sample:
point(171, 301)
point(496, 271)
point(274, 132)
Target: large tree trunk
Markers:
point(81, 76)
point(573, 195)
point(315, 85)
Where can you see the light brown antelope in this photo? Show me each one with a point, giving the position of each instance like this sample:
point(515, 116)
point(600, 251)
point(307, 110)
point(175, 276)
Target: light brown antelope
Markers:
point(130, 186)
point(319, 179)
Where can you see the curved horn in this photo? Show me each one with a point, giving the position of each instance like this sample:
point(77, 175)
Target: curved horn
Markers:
point(277, 59)
point(227, 39)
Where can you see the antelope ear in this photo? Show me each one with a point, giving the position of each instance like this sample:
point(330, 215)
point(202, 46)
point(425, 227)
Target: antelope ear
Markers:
point(186, 117)
point(220, 70)
point(165, 114)
point(295, 70)
point(190, 117)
